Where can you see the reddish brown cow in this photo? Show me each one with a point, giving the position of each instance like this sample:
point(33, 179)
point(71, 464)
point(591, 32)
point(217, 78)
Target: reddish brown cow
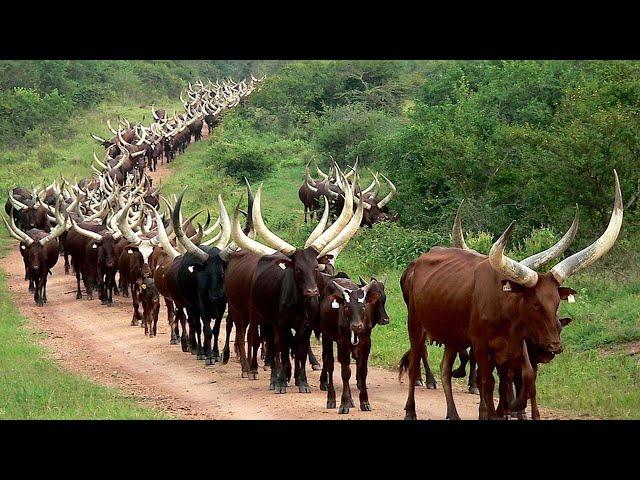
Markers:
point(499, 307)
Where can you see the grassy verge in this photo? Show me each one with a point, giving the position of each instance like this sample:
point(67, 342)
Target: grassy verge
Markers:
point(584, 380)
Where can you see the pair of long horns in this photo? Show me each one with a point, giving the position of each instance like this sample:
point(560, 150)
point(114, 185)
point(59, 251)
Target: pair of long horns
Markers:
point(523, 272)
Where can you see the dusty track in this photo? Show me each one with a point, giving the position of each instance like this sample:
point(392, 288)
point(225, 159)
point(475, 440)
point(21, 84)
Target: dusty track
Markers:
point(97, 341)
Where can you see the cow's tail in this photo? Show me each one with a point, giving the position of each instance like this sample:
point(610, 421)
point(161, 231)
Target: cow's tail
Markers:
point(404, 365)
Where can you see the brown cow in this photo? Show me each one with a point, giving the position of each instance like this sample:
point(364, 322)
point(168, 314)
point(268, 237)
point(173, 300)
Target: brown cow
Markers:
point(499, 307)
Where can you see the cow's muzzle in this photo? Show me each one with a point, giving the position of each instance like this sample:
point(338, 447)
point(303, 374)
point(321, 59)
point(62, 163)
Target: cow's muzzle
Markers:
point(311, 292)
point(555, 348)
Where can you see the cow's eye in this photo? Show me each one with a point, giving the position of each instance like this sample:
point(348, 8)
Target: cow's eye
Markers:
point(537, 305)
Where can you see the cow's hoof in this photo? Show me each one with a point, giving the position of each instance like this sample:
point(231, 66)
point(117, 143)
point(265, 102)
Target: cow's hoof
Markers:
point(110, 304)
point(225, 357)
point(331, 404)
point(193, 351)
point(280, 389)
point(185, 348)
point(343, 409)
point(173, 341)
point(265, 367)
point(304, 388)
point(252, 375)
point(78, 296)
point(474, 390)
point(316, 367)
point(352, 404)
point(134, 323)
point(419, 383)
point(103, 302)
point(245, 375)
point(410, 416)
point(365, 406)
point(323, 386)
point(272, 386)
point(458, 373)
point(210, 361)
point(431, 385)
point(201, 356)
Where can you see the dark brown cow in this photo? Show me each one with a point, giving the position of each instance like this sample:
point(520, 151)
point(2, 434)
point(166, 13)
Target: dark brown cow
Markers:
point(40, 252)
point(499, 307)
point(347, 315)
point(150, 299)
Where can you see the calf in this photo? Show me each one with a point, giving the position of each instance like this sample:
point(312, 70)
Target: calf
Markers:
point(348, 313)
point(150, 299)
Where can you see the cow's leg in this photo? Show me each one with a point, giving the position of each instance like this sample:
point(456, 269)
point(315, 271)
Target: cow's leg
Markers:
point(505, 390)
point(208, 334)
point(535, 413)
point(324, 381)
point(280, 350)
point(428, 374)
point(226, 351)
point(78, 275)
point(344, 357)
point(216, 334)
point(327, 364)
point(302, 350)
point(66, 262)
point(180, 314)
point(315, 365)
point(171, 319)
point(362, 367)
point(486, 409)
point(136, 305)
point(156, 311)
point(197, 326)
point(461, 371)
point(253, 342)
point(239, 323)
point(473, 374)
point(417, 337)
point(445, 377)
point(37, 296)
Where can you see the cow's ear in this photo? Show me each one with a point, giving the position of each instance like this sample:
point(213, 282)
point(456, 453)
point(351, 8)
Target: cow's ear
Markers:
point(325, 259)
point(283, 263)
point(511, 287)
point(565, 321)
point(336, 299)
point(566, 292)
point(372, 297)
point(361, 280)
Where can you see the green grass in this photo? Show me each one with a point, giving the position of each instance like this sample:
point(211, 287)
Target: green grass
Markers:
point(584, 380)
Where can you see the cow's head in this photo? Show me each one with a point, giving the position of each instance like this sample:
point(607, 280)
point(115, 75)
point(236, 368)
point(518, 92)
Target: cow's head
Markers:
point(531, 299)
point(209, 261)
point(352, 303)
point(377, 299)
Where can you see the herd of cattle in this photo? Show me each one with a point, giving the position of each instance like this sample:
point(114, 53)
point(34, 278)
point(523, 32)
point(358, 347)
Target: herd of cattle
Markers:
point(491, 311)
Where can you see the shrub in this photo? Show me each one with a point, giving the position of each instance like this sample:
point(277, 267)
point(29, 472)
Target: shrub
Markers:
point(244, 158)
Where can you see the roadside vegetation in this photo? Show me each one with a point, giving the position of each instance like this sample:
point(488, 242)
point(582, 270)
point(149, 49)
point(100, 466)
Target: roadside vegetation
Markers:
point(517, 140)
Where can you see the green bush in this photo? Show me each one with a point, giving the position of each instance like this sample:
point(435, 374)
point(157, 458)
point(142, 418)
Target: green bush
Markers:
point(246, 157)
point(389, 245)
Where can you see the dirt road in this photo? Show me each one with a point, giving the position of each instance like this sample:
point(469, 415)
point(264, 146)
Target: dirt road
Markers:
point(97, 341)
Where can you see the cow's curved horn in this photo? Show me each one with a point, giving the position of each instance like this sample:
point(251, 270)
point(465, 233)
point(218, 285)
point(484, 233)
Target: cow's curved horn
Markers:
point(556, 250)
point(123, 225)
point(155, 115)
point(593, 252)
point(339, 224)
point(15, 232)
point(347, 232)
point(390, 195)
point(510, 268)
point(162, 237)
point(375, 183)
point(321, 173)
point(97, 138)
point(269, 237)
point(225, 225)
point(189, 246)
point(58, 229)
point(243, 241)
point(16, 204)
point(100, 164)
point(87, 233)
point(321, 225)
point(110, 127)
point(456, 234)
